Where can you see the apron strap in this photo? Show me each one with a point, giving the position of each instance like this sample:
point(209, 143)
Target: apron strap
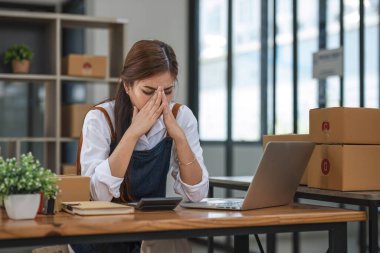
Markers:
point(78, 153)
point(175, 109)
point(105, 113)
point(113, 133)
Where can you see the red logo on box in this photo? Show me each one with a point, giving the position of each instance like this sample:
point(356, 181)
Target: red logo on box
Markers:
point(87, 68)
point(87, 65)
point(325, 166)
point(325, 126)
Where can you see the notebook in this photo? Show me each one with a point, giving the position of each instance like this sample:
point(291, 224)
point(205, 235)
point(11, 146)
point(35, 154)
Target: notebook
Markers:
point(96, 208)
point(275, 182)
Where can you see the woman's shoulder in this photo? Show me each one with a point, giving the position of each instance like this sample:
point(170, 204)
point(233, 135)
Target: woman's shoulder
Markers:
point(185, 114)
point(109, 105)
point(97, 111)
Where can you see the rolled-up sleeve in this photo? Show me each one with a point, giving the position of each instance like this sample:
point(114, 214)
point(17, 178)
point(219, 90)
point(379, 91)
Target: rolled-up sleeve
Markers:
point(189, 124)
point(94, 157)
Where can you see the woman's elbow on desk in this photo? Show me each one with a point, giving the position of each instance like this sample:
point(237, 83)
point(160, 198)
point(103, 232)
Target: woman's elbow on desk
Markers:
point(191, 193)
point(102, 192)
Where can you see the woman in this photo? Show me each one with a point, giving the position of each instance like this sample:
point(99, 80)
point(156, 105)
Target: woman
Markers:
point(152, 135)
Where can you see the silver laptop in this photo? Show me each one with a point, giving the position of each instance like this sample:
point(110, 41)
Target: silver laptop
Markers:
point(275, 182)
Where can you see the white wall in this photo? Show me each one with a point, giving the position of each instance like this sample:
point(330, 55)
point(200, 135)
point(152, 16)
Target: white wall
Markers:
point(165, 20)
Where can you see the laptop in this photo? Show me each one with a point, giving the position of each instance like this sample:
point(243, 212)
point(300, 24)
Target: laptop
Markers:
point(275, 182)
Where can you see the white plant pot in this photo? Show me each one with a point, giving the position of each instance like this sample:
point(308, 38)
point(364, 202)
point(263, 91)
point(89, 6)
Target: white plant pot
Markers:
point(22, 206)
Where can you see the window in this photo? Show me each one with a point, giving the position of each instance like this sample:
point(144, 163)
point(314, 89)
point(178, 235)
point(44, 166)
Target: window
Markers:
point(371, 50)
point(246, 71)
point(307, 45)
point(284, 68)
point(333, 87)
point(351, 54)
point(212, 69)
point(235, 43)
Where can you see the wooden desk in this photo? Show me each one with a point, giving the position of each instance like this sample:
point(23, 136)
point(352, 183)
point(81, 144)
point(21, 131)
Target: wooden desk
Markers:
point(182, 223)
point(368, 199)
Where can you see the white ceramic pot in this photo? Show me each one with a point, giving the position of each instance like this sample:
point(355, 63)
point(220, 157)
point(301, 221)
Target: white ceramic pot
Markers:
point(22, 206)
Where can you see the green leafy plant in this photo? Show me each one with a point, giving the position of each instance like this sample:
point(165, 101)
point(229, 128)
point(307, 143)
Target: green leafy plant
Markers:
point(17, 52)
point(26, 176)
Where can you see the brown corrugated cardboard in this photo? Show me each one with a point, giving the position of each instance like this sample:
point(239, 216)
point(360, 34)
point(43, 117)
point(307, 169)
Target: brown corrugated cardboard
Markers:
point(84, 65)
point(288, 137)
point(72, 119)
point(69, 169)
point(345, 167)
point(74, 188)
point(343, 125)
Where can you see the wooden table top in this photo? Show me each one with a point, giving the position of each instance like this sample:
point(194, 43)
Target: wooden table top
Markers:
point(244, 181)
point(64, 224)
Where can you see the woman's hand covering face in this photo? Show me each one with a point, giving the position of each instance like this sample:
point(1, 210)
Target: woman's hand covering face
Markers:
point(143, 120)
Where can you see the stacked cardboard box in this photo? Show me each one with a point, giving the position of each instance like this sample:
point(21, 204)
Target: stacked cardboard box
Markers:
point(72, 119)
point(85, 65)
point(347, 156)
point(69, 169)
point(72, 188)
point(288, 137)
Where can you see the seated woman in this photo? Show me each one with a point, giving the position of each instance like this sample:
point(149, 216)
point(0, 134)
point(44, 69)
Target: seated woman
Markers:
point(132, 142)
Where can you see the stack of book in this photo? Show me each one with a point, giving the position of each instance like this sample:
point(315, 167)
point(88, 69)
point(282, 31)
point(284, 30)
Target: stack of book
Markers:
point(96, 208)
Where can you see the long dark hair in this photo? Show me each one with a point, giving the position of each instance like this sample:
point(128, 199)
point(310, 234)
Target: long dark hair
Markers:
point(145, 59)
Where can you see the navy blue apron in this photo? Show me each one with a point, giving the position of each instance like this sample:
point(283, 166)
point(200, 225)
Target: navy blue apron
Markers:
point(145, 177)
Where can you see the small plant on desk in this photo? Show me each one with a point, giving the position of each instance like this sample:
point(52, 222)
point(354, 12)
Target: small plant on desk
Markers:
point(22, 183)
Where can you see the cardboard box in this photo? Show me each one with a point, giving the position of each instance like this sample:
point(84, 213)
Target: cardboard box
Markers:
point(72, 119)
point(69, 169)
point(345, 167)
point(74, 188)
point(288, 137)
point(343, 125)
point(84, 65)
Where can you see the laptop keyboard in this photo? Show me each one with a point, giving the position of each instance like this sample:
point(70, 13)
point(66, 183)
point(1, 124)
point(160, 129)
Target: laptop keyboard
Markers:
point(229, 204)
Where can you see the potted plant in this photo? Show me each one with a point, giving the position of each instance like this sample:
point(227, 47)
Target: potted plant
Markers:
point(22, 182)
point(19, 56)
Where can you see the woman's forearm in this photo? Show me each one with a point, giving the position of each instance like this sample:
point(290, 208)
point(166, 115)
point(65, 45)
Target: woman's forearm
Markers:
point(122, 154)
point(190, 170)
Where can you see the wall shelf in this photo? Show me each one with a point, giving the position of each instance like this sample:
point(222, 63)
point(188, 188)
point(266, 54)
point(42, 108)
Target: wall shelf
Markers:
point(43, 32)
point(88, 79)
point(27, 77)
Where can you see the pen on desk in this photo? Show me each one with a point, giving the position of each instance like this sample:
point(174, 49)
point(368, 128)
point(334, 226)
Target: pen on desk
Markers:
point(70, 206)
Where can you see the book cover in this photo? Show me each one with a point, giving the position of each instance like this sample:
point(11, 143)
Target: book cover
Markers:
point(96, 208)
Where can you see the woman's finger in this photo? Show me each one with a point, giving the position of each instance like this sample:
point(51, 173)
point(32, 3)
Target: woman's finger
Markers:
point(135, 111)
point(165, 101)
point(148, 106)
point(159, 97)
point(159, 111)
point(158, 101)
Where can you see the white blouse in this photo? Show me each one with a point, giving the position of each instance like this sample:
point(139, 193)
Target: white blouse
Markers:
point(96, 148)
